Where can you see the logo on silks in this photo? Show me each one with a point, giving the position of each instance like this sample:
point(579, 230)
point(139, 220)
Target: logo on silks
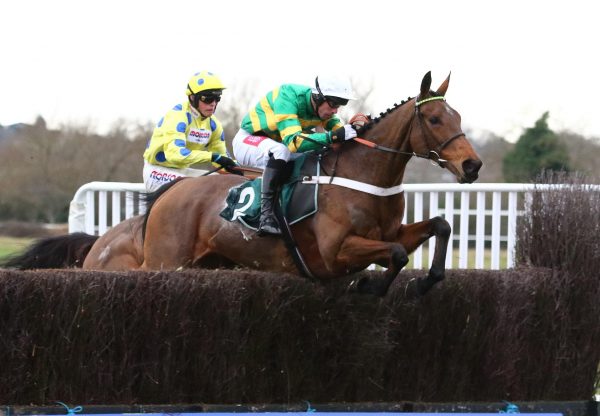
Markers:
point(163, 176)
point(254, 140)
point(199, 136)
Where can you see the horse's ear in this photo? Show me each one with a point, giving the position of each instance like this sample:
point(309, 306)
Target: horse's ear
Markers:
point(444, 87)
point(425, 84)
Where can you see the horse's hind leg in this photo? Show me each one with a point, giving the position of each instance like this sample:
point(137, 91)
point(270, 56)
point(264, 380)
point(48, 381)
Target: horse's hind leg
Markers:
point(413, 235)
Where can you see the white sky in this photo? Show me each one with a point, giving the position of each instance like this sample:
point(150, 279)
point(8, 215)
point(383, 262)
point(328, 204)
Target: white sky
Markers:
point(97, 62)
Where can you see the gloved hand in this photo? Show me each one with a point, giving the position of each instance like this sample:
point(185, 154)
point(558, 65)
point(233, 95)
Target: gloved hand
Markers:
point(226, 163)
point(359, 120)
point(346, 132)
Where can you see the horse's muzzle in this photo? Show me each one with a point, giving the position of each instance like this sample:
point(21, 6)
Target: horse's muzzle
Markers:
point(471, 170)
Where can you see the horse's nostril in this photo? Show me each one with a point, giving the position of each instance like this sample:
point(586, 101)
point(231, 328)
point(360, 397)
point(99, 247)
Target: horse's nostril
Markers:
point(472, 166)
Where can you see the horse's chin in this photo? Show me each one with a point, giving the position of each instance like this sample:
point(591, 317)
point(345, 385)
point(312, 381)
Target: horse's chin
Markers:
point(467, 178)
point(461, 176)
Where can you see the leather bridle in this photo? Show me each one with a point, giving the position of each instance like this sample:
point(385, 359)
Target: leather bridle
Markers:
point(433, 155)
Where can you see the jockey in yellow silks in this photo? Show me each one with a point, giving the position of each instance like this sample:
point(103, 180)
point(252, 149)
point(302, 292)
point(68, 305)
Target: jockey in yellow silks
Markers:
point(188, 134)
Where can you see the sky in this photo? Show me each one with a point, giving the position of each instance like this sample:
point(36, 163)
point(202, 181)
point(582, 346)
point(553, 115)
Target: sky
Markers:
point(108, 62)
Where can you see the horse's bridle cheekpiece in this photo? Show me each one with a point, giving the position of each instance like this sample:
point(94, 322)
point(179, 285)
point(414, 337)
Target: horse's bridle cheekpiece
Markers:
point(434, 155)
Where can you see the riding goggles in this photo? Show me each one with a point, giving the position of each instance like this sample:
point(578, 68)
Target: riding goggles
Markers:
point(335, 102)
point(209, 98)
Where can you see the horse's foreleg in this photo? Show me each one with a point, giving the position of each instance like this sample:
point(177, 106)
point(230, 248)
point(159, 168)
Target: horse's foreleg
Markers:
point(413, 235)
point(358, 252)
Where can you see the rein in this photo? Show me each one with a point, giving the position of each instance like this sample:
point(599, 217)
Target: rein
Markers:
point(433, 155)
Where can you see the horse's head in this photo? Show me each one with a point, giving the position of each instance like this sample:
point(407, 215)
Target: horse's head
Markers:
point(437, 133)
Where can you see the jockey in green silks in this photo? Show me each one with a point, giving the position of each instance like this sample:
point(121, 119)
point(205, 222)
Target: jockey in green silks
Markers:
point(275, 131)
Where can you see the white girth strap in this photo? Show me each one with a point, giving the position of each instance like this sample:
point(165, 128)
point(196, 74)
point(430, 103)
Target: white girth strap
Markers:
point(349, 183)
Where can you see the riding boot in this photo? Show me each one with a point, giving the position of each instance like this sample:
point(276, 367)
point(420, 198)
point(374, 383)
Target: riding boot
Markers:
point(270, 183)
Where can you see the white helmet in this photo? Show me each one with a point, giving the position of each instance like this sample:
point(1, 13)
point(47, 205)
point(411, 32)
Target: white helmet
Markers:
point(333, 86)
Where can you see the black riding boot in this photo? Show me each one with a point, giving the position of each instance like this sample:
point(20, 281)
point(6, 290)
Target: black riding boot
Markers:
point(270, 183)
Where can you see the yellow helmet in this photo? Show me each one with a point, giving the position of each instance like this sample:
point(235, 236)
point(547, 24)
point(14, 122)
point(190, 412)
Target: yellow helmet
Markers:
point(202, 81)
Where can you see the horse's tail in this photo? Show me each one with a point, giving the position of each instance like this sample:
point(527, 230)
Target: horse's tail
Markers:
point(59, 252)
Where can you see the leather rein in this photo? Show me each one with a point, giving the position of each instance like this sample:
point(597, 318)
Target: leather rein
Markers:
point(433, 155)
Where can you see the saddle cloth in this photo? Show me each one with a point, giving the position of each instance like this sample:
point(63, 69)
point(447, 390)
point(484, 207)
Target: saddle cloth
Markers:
point(297, 200)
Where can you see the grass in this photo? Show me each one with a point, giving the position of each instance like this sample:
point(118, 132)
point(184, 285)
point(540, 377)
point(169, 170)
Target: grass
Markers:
point(12, 245)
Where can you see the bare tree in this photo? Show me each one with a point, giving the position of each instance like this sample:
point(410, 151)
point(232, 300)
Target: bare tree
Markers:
point(43, 168)
point(491, 149)
point(583, 153)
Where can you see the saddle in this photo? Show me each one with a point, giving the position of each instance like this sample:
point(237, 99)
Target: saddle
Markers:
point(297, 200)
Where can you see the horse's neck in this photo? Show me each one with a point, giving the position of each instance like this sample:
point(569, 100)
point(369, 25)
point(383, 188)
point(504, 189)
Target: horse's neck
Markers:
point(378, 167)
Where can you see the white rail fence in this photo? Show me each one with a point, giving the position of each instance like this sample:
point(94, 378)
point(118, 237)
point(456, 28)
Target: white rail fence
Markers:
point(483, 217)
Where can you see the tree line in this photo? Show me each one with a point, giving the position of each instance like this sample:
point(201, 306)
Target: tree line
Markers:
point(43, 168)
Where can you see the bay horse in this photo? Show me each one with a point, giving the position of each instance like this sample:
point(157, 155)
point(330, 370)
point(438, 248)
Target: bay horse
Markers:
point(354, 226)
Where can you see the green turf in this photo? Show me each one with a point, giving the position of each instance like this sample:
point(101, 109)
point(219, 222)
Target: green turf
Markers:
point(12, 245)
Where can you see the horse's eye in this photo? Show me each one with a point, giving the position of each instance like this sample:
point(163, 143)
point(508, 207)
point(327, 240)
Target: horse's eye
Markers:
point(434, 120)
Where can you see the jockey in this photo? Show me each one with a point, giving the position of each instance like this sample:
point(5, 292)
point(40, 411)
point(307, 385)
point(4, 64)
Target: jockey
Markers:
point(282, 125)
point(188, 134)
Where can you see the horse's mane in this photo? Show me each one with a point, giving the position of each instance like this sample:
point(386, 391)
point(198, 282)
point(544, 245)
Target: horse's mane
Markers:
point(376, 120)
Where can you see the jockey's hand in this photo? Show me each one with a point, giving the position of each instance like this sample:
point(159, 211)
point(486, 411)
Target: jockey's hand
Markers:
point(346, 132)
point(359, 120)
point(226, 163)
